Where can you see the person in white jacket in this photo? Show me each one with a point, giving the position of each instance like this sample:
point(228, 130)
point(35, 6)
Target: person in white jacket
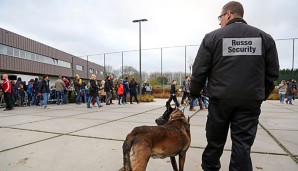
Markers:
point(282, 89)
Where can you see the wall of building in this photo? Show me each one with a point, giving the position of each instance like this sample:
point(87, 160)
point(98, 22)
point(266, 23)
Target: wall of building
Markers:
point(19, 54)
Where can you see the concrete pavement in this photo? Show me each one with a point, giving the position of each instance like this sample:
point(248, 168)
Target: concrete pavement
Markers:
point(74, 138)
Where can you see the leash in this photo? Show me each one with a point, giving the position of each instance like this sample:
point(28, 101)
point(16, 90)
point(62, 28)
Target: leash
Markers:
point(185, 106)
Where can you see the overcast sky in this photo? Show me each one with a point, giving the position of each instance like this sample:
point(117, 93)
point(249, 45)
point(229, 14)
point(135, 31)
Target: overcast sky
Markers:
point(84, 27)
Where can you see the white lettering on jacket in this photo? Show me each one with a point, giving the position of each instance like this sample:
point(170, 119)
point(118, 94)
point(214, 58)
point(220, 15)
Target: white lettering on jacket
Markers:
point(241, 46)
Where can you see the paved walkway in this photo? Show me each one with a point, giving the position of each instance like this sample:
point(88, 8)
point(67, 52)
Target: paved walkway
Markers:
point(74, 138)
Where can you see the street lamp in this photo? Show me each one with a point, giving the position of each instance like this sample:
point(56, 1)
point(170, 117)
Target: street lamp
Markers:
point(140, 21)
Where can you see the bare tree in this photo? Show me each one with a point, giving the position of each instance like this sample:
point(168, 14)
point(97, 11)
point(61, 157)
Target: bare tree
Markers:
point(129, 71)
point(117, 74)
point(109, 69)
point(190, 63)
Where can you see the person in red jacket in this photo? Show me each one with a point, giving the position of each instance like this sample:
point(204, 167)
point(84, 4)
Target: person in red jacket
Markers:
point(6, 88)
point(120, 92)
point(66, 91)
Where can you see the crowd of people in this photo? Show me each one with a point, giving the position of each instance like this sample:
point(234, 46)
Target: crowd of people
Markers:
point(34, 93)
point(39, 92)
point(289, 89)
point(202, 101)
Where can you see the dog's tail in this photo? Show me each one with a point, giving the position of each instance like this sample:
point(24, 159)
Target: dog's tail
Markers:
point(126, 152)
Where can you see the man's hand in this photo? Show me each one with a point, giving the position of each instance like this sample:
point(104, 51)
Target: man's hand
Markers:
point(195, 94)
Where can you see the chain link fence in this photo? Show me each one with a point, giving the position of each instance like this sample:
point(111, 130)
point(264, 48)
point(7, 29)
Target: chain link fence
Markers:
point(175, 62)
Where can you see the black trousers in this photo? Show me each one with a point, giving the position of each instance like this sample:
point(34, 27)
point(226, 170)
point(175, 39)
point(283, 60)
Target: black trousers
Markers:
point(124, 97)
point(134, 94)
point(243, 119)
point(185, 94)
point(174, 98)
point(8, 100)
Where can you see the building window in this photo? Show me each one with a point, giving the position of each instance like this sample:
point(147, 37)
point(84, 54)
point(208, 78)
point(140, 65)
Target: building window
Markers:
point(32, 56)
point(91, 70)
point(96, 72)
point(16, 52)
point(101, 73)
point(37, 58)
point(22, 54)
point(3, 49)
point(79, 68)
point(55, 61)
point(28, 55)
point(10, 51)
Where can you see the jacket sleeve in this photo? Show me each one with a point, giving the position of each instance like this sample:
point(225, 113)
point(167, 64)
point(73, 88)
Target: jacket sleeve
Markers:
point(40, 86)
point(63, 84)
point(201, 67)
point(271, 66)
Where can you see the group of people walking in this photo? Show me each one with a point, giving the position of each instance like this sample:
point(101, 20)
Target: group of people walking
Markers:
point(289, 89)
point(39, 92)
point(202, 100)
point(103, 92)
point(35, 93)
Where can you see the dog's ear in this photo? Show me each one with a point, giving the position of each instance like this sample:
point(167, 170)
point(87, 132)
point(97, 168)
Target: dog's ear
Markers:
point(188, 119)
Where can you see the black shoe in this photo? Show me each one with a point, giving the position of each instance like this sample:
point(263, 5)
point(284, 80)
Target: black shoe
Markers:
point(7, 109)
point(107, 103)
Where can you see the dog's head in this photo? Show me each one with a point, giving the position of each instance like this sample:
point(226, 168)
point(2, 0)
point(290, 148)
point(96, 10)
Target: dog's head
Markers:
point(178, 114)
point(170, 114)
point(165, 116)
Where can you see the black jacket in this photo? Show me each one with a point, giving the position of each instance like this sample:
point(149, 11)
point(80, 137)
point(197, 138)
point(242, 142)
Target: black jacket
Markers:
point(44, 86)
point(133, 87)
point(173, 89)
point(240, 62)
point(107, 86)
point(93, 89)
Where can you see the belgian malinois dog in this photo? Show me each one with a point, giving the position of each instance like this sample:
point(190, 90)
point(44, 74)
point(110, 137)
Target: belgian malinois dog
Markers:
point(168, 140)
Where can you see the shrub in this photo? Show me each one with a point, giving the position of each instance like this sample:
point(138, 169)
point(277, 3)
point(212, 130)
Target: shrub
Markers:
point(72, 97)
point(273, 96)
point(146, 98)
point(159, 90)
point(162, 95)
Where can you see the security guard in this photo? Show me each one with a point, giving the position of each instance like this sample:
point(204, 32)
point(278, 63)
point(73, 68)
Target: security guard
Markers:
point(241, 64)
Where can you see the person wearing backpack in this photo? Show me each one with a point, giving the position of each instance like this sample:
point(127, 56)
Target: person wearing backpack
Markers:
point(30, 92)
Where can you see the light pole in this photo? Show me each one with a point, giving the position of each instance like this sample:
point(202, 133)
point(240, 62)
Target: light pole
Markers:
point(87, 68)
point(140, 21)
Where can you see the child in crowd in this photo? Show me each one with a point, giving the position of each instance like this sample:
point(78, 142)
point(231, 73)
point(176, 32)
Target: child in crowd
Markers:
point(120, 91)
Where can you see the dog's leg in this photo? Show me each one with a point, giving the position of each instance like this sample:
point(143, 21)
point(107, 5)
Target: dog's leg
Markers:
point(127, 145)
point(141, 157)
point(182, 156)
point(174, 164)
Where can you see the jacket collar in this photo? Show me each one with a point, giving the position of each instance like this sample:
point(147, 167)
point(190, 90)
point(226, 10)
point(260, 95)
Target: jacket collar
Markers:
point(237, 20)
